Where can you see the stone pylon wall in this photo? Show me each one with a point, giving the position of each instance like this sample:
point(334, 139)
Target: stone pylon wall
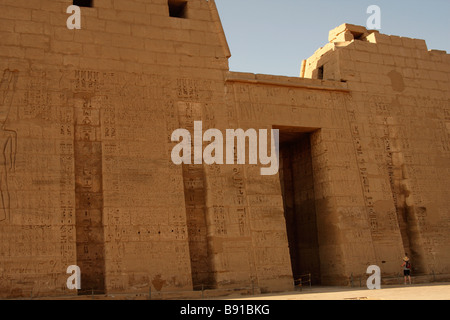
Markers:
point(400, 129)
point(87, 177)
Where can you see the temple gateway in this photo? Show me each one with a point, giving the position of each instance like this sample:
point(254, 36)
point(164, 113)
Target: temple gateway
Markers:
point(87, 177)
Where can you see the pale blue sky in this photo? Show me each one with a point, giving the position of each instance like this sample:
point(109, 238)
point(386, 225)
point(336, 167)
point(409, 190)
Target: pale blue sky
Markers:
point(274, 36)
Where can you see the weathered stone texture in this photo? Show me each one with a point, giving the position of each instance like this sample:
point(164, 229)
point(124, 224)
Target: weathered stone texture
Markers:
point(87, 178)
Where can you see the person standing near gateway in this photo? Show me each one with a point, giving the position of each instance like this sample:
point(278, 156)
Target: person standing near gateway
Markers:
point(406, 268)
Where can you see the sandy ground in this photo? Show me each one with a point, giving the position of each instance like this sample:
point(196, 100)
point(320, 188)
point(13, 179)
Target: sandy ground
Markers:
point(439, 291)
point(429, 291)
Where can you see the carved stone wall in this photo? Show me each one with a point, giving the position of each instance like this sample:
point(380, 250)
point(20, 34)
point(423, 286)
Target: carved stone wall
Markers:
point(86, 176)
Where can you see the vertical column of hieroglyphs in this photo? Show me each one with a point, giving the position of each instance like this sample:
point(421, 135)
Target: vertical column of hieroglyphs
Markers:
point(194, 189)
point(67, 212)
point(234, 256)
point(176, 212)
point(88, 183)
point(113, 215)
point(363, 173)
point(162, 91)
point(394, 148)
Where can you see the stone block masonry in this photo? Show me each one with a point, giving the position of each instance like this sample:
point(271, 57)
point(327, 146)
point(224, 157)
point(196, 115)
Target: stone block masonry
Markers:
point(86, 176)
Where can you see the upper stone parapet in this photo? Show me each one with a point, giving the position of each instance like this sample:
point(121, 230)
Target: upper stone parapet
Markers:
point(346, 32)
point(349, 32)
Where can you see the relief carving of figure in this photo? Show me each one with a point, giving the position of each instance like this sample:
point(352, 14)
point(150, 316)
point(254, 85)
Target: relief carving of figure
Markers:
point(8, 139)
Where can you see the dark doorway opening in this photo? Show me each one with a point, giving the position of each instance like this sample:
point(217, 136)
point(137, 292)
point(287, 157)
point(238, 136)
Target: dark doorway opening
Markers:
point(297, 185)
